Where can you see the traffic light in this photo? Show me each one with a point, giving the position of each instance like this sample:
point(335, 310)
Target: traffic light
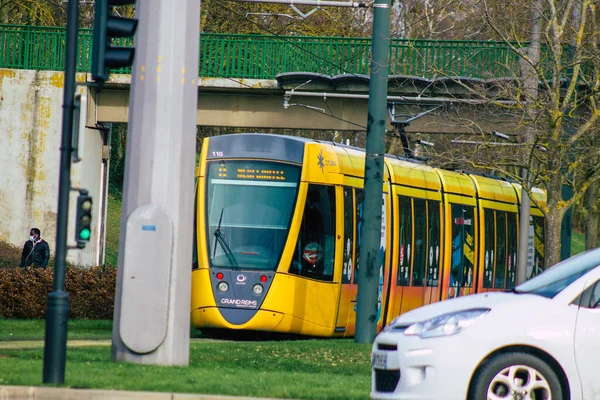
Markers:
point(83, 227)
point(106, 27)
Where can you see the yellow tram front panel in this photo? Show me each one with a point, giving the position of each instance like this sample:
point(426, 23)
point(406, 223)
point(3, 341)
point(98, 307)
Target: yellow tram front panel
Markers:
point(211, 317)
point(293, 304)
point(201, 291)
point(309, 306)
point(321, 164)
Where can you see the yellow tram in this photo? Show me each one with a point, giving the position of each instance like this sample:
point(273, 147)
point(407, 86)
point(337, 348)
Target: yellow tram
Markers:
point(278, 226)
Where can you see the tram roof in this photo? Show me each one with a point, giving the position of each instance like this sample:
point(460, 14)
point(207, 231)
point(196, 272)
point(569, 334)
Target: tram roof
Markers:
point(253, 138)
point(254, 145)
point(291, 149)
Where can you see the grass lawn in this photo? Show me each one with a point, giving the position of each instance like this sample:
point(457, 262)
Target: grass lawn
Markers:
point(34, 329)
point(301, 369)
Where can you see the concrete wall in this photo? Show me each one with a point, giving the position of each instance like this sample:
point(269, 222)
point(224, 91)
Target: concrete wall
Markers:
point(30, 137)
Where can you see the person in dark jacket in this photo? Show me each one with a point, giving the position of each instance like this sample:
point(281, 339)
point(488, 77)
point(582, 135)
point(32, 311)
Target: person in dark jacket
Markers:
point(36, 251)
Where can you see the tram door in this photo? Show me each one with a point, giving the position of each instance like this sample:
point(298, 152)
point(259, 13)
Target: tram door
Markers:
point(353, 224)
point(383, 294)
point(347, 289)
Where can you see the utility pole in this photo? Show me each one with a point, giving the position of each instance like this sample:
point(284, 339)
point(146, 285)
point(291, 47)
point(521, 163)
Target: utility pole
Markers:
point(57, 311)
point(152, 320)
point(368, 271)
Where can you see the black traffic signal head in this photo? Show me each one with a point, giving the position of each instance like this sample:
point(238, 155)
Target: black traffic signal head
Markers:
point(83, 226)
point(106, 27)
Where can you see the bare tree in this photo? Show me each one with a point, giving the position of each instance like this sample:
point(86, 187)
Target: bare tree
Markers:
point(557, 116)
point(32, 12)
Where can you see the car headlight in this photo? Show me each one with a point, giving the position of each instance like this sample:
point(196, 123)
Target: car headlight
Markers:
point(446, 324)
point(391, 324)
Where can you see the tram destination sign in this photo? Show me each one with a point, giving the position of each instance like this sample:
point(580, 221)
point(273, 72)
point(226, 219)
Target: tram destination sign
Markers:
point(262, 174)
point(256, 171)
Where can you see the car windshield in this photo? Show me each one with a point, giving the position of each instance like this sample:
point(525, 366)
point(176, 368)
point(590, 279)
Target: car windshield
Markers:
point(555, 279)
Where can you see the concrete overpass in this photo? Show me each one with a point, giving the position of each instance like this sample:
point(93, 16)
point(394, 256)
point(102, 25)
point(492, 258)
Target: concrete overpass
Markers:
point(30, 131)
point(261, 103)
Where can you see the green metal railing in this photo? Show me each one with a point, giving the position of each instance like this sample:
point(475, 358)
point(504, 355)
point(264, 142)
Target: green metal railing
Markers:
point(265, 56)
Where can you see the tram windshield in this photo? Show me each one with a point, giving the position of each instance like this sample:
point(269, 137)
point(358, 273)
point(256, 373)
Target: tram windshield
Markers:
point(249, 209)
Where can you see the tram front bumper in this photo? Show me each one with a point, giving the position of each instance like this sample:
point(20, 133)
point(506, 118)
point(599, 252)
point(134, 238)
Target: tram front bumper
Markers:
point(211, 317)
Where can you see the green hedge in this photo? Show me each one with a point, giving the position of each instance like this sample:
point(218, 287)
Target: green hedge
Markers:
point(24, 292)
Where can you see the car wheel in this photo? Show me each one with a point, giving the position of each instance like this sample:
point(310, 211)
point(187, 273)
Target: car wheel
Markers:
point(515, 376)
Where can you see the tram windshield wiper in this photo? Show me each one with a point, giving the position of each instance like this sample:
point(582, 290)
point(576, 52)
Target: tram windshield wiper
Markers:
point(223, 242)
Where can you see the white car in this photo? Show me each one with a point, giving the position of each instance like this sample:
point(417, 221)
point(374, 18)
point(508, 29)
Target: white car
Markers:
point(540, 341)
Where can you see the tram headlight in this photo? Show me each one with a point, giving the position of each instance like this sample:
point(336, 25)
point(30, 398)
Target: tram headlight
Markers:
point(223, 286)
point(257, 289)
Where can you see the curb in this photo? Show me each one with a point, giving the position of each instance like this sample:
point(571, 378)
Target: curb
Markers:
point(53, 393)
point(32, 344)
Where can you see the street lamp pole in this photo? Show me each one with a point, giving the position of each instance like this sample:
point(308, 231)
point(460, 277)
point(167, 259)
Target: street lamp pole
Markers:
point(57, 311)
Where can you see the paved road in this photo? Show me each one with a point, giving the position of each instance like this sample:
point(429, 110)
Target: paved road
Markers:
point(51, 393)
point(32, 344)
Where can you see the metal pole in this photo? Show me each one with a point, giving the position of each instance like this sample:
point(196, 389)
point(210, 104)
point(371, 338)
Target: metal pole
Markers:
point(57, 311)
point(523, 245)
point(151, 324)
point(317, 3)
point(368, 272)
point(433, 100)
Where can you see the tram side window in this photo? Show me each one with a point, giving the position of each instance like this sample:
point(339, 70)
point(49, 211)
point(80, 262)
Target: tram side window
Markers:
point(433, 240)
point(539, 245)
point(512, 250)
point(463, 246)
point(359, 195)
point(316, 241)
point(420, 244)
point(490, 241)
point(405, 238)
point(348, 235)
point(500, 274)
